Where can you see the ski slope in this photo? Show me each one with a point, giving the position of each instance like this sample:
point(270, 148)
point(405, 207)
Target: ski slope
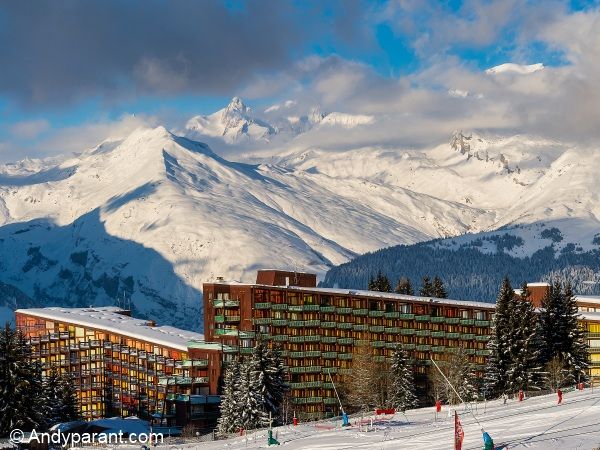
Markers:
point(535, 423)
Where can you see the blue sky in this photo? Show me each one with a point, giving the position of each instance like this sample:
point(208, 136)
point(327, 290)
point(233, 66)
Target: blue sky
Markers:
point(71, 68)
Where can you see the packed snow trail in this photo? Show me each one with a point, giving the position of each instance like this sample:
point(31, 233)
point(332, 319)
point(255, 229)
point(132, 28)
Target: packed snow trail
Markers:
point(535, 423)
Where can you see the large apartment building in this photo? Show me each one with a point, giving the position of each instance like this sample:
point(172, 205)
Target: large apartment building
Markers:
point(319, 328)
point(126, 366)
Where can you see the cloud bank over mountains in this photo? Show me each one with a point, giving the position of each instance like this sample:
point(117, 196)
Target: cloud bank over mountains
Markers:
point(505, 66)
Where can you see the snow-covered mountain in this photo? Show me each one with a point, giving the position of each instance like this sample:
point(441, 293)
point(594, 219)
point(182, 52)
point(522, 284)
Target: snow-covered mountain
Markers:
point(150, 218)
point(234, 122)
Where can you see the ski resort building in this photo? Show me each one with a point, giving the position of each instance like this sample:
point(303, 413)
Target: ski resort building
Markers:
point(318, 329)
point(125, 366)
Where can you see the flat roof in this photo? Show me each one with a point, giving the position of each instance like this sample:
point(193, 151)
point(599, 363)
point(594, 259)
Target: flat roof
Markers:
point(364, 293)
point(591, 316)
point(112, 319)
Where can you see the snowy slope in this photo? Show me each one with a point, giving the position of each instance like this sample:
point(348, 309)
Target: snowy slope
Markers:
point(153, 217)
point(535, 423)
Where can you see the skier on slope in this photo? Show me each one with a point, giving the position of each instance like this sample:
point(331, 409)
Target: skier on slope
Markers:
point(488, 442)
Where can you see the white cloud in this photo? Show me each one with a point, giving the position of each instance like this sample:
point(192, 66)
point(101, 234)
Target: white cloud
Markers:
point(29, 129)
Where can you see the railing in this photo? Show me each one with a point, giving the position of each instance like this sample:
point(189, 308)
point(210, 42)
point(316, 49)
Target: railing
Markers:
point(327, 309)
point(344, 325)
point(361, 327)
point(407, 331)
point(393, 330)
point(452, 320)
point(392, 315)
point(344, 356)
point(438, 334)
point(311, 307)
point(345, 341)
point(452, 335)
point(327, 324)
point(330, 355)
point(279, 306)
point(360, 312)
point(312, 323)
point(329, 339)
point(343, 310)
point(376, 328)
point(482, 323)
point(407, 316)
point(438, 319)
point(312, 338)
point(467, 321)
point(376, 313)
point(262, 305)
point(422, 318)
point(423, 332)
point(261, 321)
point(296, 323)
point(279, 322)
point(226, 303)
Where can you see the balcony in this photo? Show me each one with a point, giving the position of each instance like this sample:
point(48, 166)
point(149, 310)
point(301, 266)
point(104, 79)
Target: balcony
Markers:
point(423, 332)
point(467, 321)
point(296, 339)
point(312, 323)
point(452, 320)
point(438, 349)
point(279, 322)
point(280, 337)
point(391, 345)
point(344, 325)
point(262, 305)
point(279, 306)
point(343, 310)
point(378, 344)
point(313, 338)
point(226, 319)
point(452, 335)
point(376, 328)
point(311, 307)
point(482, 323)
point(344, 356)
point(376, 313)
point(345, 341)
point(392, 315)
point(484, 352)
point(438, 334)
point(407, 316)
point(360, 327)
point(327, 370)
point(467, 336)
point(423, 318)
point(408, 346)
point(327, 309)
point(306, 385)
point(423, 348)
point(226, 303)
point(226, 331)
point(330, 355)
point(306, 369)
point(329, 339)
point(327, 324)
point(438, 319)
point(407, 331)
point(312, 354)
point(296, 323)
point(393, 330)
point(360, 312)
point(296, 355)
point(295, 308)
point(330, 400)
point(261, 321)
point(482, 338)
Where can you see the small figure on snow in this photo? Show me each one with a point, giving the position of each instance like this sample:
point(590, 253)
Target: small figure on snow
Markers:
point(521, 395)
point(560, 395)
point(488, 442)
point(505, 397)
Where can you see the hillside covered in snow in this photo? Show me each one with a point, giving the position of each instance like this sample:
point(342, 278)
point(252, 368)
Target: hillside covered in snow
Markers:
point(148, 218)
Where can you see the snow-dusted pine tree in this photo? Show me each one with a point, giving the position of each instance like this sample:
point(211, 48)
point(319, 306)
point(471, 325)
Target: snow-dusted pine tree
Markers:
point(563, 341)
point(402, 390)
point(496, 374)
point(21, 390)
point(275, 384)
point(251, 400)
point(524, 369)
point(229, 420)
point(69, 409)
point(362, 381)
point(52, 398)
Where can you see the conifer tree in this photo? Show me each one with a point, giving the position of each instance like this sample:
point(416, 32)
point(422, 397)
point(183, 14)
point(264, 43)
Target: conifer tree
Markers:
point(69, 409)
point(426, 287)
point(564, 343)
point(251, 401)
point(52, 398)
point(524, 370)
point(276, 386)
point(402, 391)
point(404, 287)
point(361, 383)
point(229, 420)
point(380, 283)
point(496, 379)
point(21, 388)
point(438, 289)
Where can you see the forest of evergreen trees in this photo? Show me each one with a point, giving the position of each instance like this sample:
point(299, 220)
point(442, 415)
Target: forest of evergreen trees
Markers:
point(468, 273)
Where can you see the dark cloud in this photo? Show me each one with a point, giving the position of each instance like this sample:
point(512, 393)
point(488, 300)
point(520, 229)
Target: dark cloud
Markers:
point(61, 52)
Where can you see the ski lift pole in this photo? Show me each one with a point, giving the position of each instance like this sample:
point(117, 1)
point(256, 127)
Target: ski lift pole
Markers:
point(344, 416)
point(455, 391)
